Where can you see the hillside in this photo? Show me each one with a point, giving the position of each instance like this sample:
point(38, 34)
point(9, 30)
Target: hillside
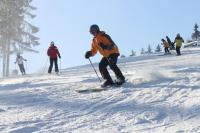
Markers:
point(162, 94)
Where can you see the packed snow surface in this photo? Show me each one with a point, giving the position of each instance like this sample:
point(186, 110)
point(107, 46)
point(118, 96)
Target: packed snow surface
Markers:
point(162, 94)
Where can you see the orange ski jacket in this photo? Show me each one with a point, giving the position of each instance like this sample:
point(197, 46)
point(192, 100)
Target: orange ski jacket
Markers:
point(104, 44)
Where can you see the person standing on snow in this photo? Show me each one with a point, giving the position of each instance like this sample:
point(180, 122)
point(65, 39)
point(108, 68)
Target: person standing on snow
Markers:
point(171, 45)
point(53, 53)
point(19, 61)
point(166, 46)
point(110, 52)
point(178, 40)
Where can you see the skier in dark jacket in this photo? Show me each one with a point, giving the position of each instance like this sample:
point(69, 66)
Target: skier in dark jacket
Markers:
point(110, 52)
point(171, 45)
point(178, 40)
point(53, 53)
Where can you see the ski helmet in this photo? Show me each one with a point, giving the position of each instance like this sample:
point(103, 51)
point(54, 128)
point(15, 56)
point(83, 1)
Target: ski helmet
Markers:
point(94, 28)
point(18, 54)
point(52, 43)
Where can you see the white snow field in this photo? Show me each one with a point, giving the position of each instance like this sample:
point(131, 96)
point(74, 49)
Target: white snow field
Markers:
point(162, 94)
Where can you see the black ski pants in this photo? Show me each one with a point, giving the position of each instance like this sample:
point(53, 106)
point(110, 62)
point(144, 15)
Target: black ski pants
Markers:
point(112, 62)
point(166, 50)
point(22, 69)
point(55, 61)
point(178, 50)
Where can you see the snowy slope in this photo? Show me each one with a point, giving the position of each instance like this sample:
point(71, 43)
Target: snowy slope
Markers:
point(162, 95)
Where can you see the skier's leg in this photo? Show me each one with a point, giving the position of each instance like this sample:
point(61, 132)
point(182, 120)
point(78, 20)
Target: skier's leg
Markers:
point(176, 50)
point(51, 65)
point(56, 65)
point(20, 68)
point(113, 65)
point(103, 70)
point(179, 50)
point(165, 50)
point(23, 69)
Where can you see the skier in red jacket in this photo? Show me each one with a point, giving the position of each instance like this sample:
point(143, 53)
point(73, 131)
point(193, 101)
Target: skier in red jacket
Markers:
point(53, 53)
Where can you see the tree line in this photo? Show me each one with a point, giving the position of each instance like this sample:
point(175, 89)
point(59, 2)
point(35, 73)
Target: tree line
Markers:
point(16, 33)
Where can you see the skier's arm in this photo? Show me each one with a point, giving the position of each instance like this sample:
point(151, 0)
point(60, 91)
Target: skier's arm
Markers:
point(94, 49)
point(182, 40)
point(23, 59)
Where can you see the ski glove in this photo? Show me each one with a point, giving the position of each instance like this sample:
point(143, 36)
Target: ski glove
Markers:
point(106, 47)
point(88, 54)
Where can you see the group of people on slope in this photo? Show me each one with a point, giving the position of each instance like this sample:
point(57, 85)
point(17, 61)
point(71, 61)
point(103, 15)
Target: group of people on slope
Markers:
point(53, 54)
point(103, 44)
point(171, 45)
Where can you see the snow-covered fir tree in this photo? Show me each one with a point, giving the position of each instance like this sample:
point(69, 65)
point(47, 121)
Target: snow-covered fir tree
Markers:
point(142, 51)
point(133, 53)
point(149, 50)
point(158, 48)
point(196, 34)
point(16, 33)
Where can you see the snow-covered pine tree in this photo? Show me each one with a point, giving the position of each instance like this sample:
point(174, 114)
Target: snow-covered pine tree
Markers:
point(142, 51)
point(149, 50)
point(196, 34)
point(16, 33)
point(133, 53)
point(158, 48)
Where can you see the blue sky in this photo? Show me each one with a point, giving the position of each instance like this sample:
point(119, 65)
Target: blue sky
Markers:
point(133, 24)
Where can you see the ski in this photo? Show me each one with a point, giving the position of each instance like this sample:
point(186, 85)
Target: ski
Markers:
point(85, 91)
point(99, 89)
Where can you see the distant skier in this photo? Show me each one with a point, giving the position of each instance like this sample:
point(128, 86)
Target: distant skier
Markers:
point(166, 46)
point(178, 40)
point(171, 45)
point(110, 52)
point(19, 61)
point(53, 53)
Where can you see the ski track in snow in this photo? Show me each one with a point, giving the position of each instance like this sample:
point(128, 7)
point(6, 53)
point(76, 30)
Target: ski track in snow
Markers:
point(162, 94)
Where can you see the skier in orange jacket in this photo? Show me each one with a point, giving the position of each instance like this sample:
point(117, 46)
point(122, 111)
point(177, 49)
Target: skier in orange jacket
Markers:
point(110, 52)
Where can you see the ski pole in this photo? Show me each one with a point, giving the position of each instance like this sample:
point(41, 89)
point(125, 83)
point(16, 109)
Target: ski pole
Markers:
point(94, 69)
point(60, 65)
point(26, 67)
